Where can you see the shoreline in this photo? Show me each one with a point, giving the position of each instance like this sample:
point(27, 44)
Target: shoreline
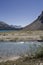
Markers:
point(14, 58)
point(22, 41)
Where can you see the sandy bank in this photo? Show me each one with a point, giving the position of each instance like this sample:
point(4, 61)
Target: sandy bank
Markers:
point(10, 59)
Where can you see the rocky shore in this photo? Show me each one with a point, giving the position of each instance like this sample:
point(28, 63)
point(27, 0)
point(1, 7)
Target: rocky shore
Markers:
point(24, 61)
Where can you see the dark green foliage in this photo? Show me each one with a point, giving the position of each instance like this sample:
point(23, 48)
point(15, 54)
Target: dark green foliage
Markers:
point(39, 53)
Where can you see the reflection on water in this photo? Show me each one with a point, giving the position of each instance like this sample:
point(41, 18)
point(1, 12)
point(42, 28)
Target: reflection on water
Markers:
point(8, 49)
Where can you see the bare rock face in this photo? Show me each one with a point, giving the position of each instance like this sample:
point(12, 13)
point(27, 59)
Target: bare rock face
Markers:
point(37, 24)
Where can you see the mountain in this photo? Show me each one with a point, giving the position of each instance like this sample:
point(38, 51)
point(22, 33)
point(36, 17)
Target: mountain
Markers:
point(36, 25)
point(4, 26)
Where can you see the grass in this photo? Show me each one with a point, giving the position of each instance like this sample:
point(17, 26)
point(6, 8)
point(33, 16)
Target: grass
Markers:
point(21, 35)
point(18, 35)
point(41, 37)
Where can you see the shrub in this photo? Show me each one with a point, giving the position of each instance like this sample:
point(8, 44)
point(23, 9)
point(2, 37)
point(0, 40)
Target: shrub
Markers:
point(39, 53)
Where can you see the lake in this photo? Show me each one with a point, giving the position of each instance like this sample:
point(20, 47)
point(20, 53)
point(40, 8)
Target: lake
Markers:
point(8, 49)
point(6, 30)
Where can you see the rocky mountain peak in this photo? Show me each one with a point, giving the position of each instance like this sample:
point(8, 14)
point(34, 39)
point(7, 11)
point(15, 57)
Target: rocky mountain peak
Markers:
point(41, 17)
point(36, 24)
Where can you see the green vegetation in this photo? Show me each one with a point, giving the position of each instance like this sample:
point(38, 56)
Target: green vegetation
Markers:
point(39, 53)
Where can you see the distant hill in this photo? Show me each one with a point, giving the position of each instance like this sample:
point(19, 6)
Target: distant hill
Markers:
point(36, 25)
point(4, 26)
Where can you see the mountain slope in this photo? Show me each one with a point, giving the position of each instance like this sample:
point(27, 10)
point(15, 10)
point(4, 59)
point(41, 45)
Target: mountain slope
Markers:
point(37, 24)
point(4, 26)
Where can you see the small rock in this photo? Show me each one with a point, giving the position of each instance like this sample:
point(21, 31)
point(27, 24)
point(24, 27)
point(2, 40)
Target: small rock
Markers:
point(14, 64)
point(41, 63)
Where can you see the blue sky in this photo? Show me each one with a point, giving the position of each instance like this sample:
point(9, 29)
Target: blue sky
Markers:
point(20, 12)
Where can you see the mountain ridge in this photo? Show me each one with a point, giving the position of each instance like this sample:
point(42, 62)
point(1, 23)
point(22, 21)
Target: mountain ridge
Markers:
point(4, 26)
point(36, 25)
